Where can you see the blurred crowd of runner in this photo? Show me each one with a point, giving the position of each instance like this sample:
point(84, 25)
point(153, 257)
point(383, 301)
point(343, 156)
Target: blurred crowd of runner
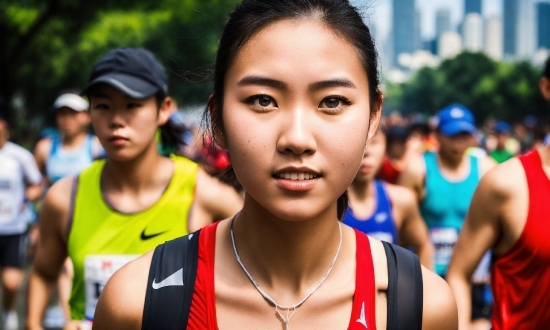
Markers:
point(107, 205)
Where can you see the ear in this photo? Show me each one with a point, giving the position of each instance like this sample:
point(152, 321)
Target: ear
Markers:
point(376, 115)
point(165, 111)
point(545, 88)
point(219, 135)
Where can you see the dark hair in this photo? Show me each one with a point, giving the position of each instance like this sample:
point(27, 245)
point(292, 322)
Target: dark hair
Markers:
point(250, 16)
point(546, 72)
point(171, 133)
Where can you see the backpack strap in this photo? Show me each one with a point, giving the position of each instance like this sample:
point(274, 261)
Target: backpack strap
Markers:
point(171, 276)
point(405, 288)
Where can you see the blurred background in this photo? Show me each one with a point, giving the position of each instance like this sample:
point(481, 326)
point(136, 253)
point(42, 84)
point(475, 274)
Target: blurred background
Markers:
point(484, 54)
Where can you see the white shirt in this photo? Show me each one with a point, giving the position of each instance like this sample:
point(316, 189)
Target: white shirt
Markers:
point(17, 170)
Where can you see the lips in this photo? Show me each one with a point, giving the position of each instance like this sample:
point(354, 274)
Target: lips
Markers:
point(296, 178)
point(118, 140)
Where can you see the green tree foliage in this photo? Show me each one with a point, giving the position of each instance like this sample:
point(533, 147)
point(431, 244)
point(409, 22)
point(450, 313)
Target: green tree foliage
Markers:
point(491, 89)
point(47, 46)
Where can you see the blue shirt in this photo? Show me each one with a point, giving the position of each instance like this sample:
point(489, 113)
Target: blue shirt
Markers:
point(445, 206)
point(62, 163)
point(380, 224)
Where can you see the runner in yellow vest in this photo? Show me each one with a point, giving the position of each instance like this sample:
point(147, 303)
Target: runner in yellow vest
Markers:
point(124, 206)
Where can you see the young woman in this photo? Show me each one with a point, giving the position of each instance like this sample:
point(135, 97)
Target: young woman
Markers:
point(295, 99)
point(68, 153)
point(386, 211)
point(124, 206)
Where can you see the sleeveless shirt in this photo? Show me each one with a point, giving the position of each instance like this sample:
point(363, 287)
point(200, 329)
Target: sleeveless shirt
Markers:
point(203, 305)
point(62, 163)
point(380, 224)
point(444, 207)
point(101, 240)
point(521, 276)
point(17, 169)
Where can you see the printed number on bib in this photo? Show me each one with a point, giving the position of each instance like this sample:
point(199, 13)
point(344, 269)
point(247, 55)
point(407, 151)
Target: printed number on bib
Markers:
point(444, 240)
point(97, 271)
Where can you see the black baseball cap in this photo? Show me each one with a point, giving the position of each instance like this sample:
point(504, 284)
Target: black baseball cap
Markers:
point(133, 71)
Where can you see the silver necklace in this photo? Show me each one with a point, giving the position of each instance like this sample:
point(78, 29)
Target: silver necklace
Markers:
point(291, 309)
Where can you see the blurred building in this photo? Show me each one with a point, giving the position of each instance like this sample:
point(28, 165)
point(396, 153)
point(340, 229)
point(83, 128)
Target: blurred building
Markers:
point(403, 29)
point(494, 38)
point(472, 32)
point(510, 22)
point(543, 25)
point(472, 6)
point(526, 41)
point(449, 45)
point(442, 22)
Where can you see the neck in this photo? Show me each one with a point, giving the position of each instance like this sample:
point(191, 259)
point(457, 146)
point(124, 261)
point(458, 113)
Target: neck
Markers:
point(361, 189)
point(281, 253)
point(73, 141)
point(3, 142)
point(449, 162)
point(135, 174)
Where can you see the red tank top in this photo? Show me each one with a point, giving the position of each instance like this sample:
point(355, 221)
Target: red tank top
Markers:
point(521, 276)
point(203, 305)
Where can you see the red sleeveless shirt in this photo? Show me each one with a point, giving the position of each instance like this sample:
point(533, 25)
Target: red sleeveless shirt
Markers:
point(203, 305)
point(521, 276)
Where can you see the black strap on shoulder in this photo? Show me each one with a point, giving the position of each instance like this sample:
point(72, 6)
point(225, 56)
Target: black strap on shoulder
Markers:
point(405, 289)
point(171, 284)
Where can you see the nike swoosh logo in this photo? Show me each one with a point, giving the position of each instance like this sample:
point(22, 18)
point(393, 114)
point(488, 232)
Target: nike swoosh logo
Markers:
point(145, 237)
point(175, 279)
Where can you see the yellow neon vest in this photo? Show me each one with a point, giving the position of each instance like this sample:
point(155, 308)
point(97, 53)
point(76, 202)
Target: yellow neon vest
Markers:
point(101, 240)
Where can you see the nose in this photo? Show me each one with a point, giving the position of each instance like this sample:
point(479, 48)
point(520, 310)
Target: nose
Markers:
point(116, 119)
point(297, 136)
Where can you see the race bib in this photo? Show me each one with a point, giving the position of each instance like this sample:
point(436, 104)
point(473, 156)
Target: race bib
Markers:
point(97, 271)
point(6, 210)
point(444, 240)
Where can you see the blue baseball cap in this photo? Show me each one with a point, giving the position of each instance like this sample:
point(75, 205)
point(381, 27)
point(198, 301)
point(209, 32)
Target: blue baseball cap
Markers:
point(455, 119)
point(502, 127)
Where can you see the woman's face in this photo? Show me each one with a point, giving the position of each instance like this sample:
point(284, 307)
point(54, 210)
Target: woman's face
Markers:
point(71, 122)
point(296, 116)
point(125, 127)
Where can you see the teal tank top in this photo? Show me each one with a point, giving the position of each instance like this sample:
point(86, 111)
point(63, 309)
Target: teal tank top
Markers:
point(62, 163)
point(445, 206)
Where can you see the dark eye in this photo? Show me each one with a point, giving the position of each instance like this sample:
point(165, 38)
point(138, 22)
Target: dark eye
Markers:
point(331, 103)
point(264, 101)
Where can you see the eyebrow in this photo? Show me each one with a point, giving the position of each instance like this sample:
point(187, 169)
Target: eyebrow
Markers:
point(269, 82)
point(101, 95)
point(262, 81)
point(338, 82)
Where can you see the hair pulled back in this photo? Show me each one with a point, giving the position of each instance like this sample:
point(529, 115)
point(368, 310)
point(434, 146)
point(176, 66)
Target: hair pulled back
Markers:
point(251, 16)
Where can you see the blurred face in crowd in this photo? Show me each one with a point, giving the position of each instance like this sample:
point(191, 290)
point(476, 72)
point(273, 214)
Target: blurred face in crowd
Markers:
point(501, 139)
point(126, 127)
point(372, 157)
point(71, 122)
point(4, 132)
point(453, 147)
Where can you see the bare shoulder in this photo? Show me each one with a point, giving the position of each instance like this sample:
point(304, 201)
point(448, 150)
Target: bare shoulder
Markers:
point(401, 197)
point(415, 166)
point(57, 202)
point(504, 179)
point(42, 150)
point(220, 199)
point(486, 164)
point(439, 307)
point(43, 146)
point(121, 303)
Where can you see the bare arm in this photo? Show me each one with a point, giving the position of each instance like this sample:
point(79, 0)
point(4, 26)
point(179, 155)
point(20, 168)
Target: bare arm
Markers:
point(480, 232)
point(41, 152)
point(439, 307)
point(413, 177)
point(121, 303)
point(214, 200)
point(411, 228)
point(51, 251)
